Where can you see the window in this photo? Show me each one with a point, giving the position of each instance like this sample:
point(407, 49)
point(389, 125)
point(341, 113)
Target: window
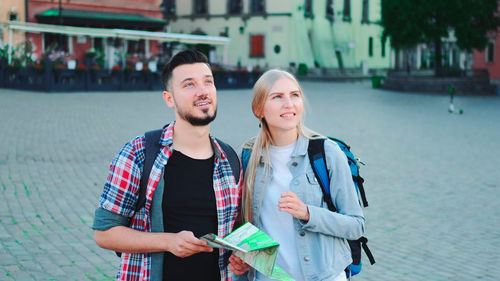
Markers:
point(200, 7)
point(256, 46)
point(168, 7)
point(330, 14)
point(383, 47)
point(234, 7)
point(490, 52)
point(56, 42)
point(365, 18)
point(12, 16)
point(370, 46)
point(308, 8)
point(98, 44)
point(347, 10)
point(256, 6)
point(136, 47)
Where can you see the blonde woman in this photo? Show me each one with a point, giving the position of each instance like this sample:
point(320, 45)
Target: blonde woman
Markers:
point(281, 195)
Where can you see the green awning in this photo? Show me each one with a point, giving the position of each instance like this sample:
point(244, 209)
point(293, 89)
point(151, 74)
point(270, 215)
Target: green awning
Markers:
point(89, 18)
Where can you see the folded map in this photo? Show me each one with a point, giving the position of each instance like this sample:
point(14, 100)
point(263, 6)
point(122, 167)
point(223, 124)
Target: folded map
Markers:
point(254, 247)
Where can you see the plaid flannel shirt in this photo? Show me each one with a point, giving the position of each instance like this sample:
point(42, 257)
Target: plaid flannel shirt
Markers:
point(122, 189)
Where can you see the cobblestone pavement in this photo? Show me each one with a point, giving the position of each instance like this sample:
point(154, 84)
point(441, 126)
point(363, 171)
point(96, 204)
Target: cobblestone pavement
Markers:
point(432, 178)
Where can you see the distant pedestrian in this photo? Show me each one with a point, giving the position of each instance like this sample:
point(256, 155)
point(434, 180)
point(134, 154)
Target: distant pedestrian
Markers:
point(191, 189)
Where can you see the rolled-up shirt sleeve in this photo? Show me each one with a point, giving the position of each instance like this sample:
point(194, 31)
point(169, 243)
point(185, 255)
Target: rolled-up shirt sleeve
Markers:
point(104, 220)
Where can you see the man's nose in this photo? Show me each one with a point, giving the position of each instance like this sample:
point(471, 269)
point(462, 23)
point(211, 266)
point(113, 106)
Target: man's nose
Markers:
point(202, 90)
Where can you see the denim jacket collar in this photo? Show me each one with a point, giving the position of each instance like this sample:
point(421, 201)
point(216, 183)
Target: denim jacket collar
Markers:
point(301, 146)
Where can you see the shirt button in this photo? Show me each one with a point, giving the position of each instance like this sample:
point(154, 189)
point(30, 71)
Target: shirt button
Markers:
point(294, 164)
point(307, 258)
point(296, 182)
point(302, 233)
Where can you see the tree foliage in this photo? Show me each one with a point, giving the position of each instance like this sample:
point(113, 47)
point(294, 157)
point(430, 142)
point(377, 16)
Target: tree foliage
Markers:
point(409, 22)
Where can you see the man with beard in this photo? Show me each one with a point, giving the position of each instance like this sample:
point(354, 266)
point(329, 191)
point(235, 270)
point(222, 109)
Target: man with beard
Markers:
point(191, 189)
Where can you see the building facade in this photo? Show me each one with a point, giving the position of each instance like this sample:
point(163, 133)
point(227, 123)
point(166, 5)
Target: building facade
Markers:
point(122, 14)
point(320, 34)
point(12, 10)
point(489, 57)
point(421, 57)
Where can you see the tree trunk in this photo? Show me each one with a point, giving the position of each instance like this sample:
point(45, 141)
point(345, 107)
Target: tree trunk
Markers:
point(438, 65)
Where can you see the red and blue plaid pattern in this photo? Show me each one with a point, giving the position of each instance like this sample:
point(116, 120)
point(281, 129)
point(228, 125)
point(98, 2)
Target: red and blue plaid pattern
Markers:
point(121, 193)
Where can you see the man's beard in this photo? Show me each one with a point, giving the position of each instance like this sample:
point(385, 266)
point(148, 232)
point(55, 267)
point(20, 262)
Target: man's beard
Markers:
point(198, 121)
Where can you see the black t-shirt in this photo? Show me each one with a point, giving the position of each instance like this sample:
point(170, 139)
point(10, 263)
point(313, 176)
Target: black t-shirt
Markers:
point(189, 204)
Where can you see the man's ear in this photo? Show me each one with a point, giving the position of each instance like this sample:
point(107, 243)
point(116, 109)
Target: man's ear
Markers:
point(169, 98)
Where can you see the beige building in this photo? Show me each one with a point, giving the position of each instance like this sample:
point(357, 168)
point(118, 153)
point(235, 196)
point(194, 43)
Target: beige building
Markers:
point(12, 10)
point(284, 33)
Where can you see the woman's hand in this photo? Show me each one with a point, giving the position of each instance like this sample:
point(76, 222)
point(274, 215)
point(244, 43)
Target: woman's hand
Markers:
point(291, 203)
point(237, 265)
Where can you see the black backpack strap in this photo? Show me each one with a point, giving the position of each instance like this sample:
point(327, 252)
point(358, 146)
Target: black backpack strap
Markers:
point(368, 253)
point(317, 158)
point(151, 152)
point(233, 159)
point(359, 180)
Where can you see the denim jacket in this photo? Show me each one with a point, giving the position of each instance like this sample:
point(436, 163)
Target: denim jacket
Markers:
point(322, 248)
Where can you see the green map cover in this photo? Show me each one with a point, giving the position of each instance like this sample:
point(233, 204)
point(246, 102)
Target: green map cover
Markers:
point(254, 247)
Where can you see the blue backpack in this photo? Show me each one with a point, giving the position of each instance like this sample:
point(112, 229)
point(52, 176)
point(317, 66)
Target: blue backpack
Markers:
point(316, 153)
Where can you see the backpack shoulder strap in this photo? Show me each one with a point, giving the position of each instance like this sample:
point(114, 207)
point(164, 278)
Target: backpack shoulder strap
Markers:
point(151, 151)
point(245, 157)
point(316, 153)
point(232, 157)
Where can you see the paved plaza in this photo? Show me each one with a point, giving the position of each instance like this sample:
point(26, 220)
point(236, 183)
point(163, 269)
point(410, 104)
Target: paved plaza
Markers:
point(432, 178)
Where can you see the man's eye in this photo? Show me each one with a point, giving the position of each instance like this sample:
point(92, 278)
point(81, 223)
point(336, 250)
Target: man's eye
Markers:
point(276, 97)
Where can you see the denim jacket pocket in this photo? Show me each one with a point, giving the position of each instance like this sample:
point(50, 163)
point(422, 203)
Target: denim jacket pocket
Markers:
point(311, 178)
point(314, 195)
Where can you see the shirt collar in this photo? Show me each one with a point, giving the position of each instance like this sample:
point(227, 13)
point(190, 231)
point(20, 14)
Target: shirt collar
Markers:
point(167, 139)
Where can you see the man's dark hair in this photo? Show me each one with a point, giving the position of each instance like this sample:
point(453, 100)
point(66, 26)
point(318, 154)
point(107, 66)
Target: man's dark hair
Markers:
point(184, 57)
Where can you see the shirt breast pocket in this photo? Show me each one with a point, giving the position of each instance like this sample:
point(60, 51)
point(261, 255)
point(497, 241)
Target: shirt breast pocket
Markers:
point(314, 193)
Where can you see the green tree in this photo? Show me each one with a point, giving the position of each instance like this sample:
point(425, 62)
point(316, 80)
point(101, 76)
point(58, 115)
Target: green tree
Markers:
point(410, 22)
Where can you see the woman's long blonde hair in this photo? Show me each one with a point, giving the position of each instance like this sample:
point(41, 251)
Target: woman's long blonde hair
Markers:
point(261, 144)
